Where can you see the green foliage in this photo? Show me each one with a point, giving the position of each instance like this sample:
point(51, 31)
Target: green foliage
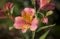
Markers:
point(44, 27)
point(12, 10)
point(49, 13)
point(2, 3)
point(44, 35)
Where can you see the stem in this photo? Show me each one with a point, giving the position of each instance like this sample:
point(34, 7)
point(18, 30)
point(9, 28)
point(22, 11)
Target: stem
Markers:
point(40, 13)
point(44, 27)
point(38, 10)
point(33, 35)
point(26, 37)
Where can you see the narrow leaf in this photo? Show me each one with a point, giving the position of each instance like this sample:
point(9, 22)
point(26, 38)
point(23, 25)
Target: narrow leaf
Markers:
point(44, 27)
point(44, 35)
point(12, 10)
point(10, 28)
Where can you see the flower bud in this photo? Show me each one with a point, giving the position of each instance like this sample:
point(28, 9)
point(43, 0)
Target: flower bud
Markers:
point(7, 6)
point(45, 20)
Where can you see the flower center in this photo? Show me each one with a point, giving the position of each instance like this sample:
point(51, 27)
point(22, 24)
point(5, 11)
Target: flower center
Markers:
point(27, 17)
point(26, 26)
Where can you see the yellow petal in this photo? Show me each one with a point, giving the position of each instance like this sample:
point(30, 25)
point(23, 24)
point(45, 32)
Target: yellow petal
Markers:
point(27, 17)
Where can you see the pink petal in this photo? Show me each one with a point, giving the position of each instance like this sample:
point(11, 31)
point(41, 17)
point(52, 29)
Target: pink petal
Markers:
point(45, 20)
point(9, 5)
point(43, 3)
point(50, 6)
point(34, 21)
point(34, 24)
point(24, 30)
point(17, 26)
point(18, 22)
point(30, 11)
point(33, 27)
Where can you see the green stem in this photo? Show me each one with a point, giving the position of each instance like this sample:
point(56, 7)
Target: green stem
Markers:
point(33, 35)
point(26, 36)
point(40, 13)
point(44, 27)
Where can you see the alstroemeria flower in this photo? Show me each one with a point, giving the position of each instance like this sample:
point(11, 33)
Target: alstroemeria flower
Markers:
point(46, 5)
point(49, 6)
point(44, 20)
point(26, 21)
point(28, 14)
point(7, 6)
point(43, 3)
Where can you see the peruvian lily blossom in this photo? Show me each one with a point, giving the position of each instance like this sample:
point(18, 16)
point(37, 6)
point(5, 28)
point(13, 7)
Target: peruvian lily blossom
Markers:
point(46, 5)
point(7, 6)
point(26, 21)
point(49, 6)
point(43, 3)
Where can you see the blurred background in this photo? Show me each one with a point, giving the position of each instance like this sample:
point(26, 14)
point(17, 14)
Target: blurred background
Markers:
point(19, 5)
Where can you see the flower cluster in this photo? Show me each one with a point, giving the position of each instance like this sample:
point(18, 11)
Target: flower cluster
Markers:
point(30, 19)
point(6, 7)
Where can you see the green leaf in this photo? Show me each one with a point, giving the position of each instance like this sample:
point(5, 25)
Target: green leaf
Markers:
point(44, 27)
point(12, 10)
point(10, 28)
point(44, 35)
point(49, 13)
point(33, 35)
point(26, 36)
